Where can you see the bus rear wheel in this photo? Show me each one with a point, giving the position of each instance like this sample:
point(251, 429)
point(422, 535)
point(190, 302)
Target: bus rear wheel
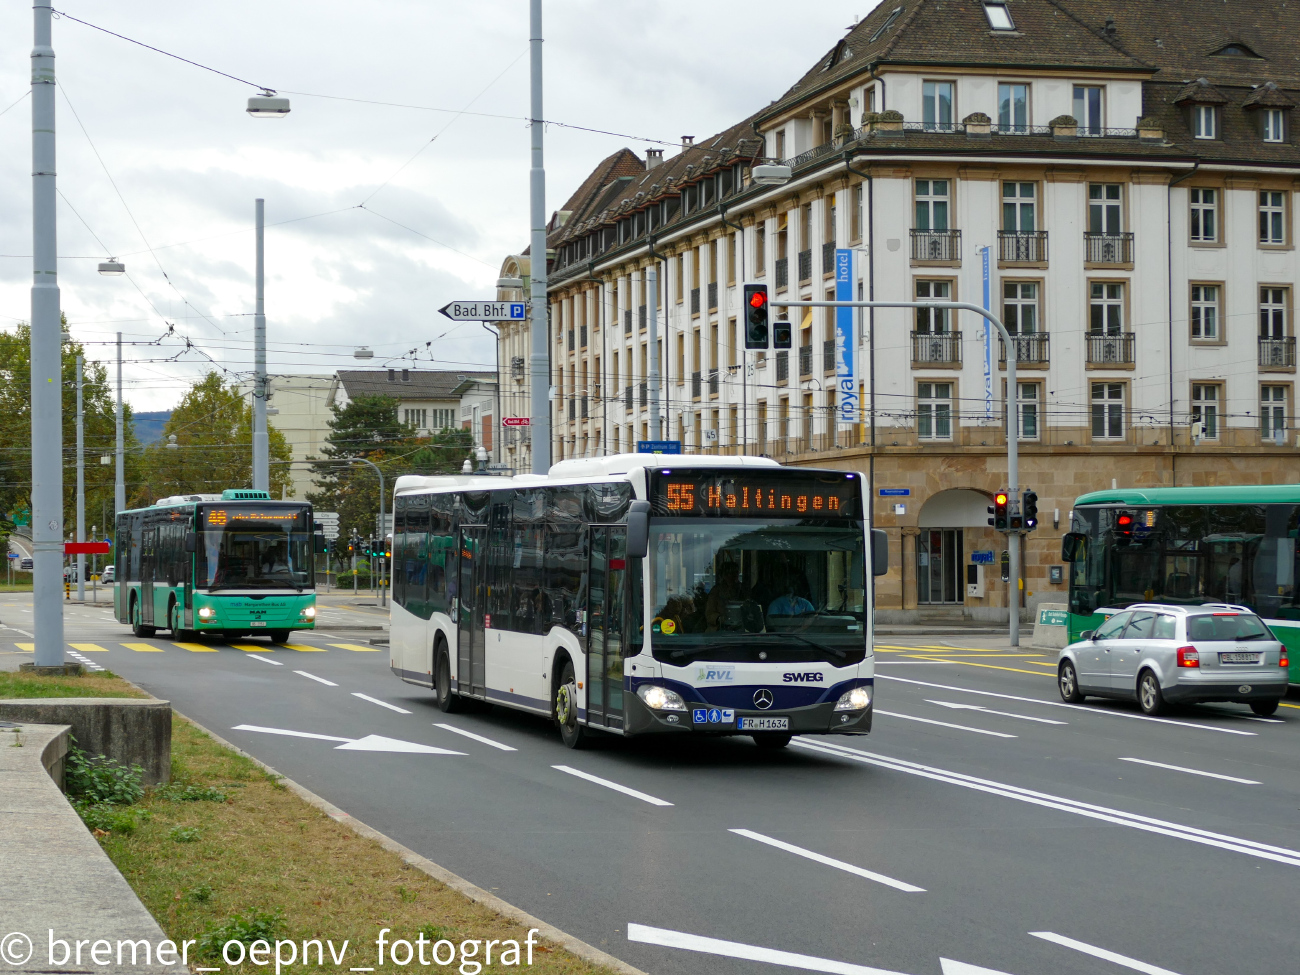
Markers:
point(449, 702)
point(566, 709)
point(138, 628)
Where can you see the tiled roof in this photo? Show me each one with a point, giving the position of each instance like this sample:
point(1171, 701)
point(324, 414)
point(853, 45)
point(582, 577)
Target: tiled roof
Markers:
point(1268, 95)
point(622, 164)
point(1201, 92)
point(421, 384)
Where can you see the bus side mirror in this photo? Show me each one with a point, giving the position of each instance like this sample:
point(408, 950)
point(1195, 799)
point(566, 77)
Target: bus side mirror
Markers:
point(638, 530)
point(1073, 545)
point(879, 552)
point(191, 542)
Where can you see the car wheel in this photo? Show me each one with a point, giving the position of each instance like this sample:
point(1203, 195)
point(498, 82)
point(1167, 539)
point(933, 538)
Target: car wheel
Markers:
point(1067, 682)
point(1150, 698)
point(566, 709)
point(449, 702)
point(1264, 708)
point(771, 740)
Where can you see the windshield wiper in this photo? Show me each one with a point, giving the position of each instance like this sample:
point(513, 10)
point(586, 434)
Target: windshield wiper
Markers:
point(833, 651)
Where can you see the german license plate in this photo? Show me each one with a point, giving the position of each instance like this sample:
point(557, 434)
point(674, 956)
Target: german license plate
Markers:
point(764, 724)
point(1239, 658)
point(258, 623)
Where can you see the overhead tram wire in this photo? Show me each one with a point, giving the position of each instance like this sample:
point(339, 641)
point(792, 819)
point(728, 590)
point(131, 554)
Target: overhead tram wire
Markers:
point(19, 99)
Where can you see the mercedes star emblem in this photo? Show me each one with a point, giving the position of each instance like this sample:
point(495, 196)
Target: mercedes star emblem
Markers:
point(762, 699)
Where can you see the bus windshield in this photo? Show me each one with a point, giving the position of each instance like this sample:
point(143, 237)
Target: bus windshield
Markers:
point(254, 547)
point(757, 589)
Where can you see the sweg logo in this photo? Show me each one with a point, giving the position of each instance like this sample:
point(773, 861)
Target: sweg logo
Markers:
point(811, 678)
point(715, 673)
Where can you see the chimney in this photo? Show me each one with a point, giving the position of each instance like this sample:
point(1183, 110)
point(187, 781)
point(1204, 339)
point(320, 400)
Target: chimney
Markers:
point(1110, 26)
point(687, 142)
point(653, 158)
point(406, 375)
point(392, 375)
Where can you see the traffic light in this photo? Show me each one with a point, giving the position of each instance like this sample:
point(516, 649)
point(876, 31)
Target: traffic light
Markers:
point(1015, 521)
point(388, 548)
point(998, 509)
point(782, 335)
point(756, 315)
point(1029, 508)
point(352, 546)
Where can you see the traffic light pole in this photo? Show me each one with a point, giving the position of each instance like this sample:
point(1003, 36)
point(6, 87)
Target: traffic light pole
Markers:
point(1012, 431)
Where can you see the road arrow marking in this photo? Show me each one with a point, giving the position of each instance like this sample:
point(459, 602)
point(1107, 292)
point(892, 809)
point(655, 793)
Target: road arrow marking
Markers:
point(945, 724)
point(284, 731)
point(951, 967)
point(370, 743)
point(1003, 714)
point(734, 949)
point(1102, 953)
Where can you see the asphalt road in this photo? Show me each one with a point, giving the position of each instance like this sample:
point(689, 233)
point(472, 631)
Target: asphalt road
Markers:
point(982, 822)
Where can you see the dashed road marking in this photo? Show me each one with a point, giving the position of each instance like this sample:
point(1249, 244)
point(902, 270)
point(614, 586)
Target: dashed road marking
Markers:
point(644, 797)
point(879, 878)
point(356, 647)
point(196, 647)
point(143, 647)
point(945, 724)
point(1102, 953)
point(321, 680)
point(1191, 771)
point(469, 734)
point(382, 704)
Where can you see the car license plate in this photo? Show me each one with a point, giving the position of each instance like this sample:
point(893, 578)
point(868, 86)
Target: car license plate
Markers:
point(258, 623)
point(1239, 658)
point(764, 724)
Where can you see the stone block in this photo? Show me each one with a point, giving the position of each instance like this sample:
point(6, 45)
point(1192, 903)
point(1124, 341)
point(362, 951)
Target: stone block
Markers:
point(133, 731)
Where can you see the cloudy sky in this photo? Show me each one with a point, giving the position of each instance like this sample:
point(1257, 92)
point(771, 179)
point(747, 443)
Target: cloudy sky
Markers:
point(165, 173)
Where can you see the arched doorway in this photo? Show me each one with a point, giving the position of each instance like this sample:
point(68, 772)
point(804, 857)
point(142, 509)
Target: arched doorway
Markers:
point(940, 544)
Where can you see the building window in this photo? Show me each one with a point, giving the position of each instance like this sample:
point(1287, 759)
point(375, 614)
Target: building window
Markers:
point(1106, 308)
point(416, 418)
point(1107, 411)
point(1205, 121)
point(1272, 217)
point(1272, 313)
point(1273, 123)
point(1018, 208)
point(1027, 416)
point(1205, 223)
point(999, 16)
point(1205, 312)
point(1013, 107)
point(931, 204)
point(1205, 411)
point(855, 214)
point(933, 320)
point(1272, 413)
point(1088, 109)
point(1020, 307)
point(934, 411)
point(1105, 209)
point(937, 100)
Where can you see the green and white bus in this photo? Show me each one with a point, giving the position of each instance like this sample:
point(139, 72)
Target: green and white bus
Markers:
point(231, 565)
point(1187, 546)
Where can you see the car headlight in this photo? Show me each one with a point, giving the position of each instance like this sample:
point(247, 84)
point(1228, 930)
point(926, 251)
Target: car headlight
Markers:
point(660, 698)
point(858, 699)
point(309, 612)
point(206, 613)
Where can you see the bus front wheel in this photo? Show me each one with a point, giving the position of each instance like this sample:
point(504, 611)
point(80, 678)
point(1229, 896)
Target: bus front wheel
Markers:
point(449, 702)
point(566, 709)
point(770, 740)
point(174, 621)
point(279, 636)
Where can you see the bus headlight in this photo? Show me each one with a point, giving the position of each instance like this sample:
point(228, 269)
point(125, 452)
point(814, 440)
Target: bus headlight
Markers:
point(660, 698)
point(857, 699)
point(308, 613)
point(206, 612)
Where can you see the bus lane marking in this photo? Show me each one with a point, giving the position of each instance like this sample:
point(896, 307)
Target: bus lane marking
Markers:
point(612, 785)
point(665, 938)
point(945, 724)
point(382, 704)
point(321, 680)
point(142, 647)
point(1102, 953)
point(1191, 771)
point(469, 734)
point(879, 878)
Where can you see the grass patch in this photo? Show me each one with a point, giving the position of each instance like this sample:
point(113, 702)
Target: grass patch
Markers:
point(227, 852)
point(99, 684)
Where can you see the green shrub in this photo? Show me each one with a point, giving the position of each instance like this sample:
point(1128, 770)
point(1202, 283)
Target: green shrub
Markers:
point(100, 780)
point(192, 793)
point(110, 818)
point(200, 893)
point(245, 928)
point(185, 834)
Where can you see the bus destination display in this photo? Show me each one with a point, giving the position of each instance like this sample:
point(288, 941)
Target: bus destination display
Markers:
point(221, 517)
point(713, 494)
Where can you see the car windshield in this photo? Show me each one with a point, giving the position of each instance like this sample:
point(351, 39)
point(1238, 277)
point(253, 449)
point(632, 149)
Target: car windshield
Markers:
point(1227, 627)
point(739, 590)
point(262, 547)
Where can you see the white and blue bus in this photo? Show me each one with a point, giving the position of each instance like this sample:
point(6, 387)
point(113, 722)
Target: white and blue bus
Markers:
point(640, 594)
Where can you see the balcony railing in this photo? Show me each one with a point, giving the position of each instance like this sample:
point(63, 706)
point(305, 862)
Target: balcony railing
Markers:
point(582, 337)
point(573, 408)
point(645, 395)
point(828, 355)
point(936, 245)
point(1031, 348)
point(1277, 353)
point(713, 382)
point(936, 347)
point(782, 366)
point(695, 301)
point(1027, 247)
point(1116, 349)
point(570, 340)
point(640, 317)
point(805, 360)
point(697, 384)
point(805, 265)
point(713, 295)
point(584, 407)
point(782, 272)
point(627, 399)
point(627, 322)
point(1108, 248)
point(828, 257)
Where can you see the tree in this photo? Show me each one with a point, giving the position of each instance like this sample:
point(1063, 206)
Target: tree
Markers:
point(213, 427)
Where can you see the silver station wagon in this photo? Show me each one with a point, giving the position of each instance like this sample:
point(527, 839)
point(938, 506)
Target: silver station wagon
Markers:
point(1163, 654)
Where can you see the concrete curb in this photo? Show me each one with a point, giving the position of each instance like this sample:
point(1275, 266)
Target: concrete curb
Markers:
point(574, 946)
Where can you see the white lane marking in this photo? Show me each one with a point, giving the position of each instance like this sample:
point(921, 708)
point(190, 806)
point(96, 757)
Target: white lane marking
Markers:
point(1003, 714)
point(321, 680)
point(16, 630)
point(469, 734)
point(912, 663)
point(612, 785)
point(950, 967)
point(265, 660)
point(382, 704)
point(879, 878)
point(291, 734)
point(1078, 707)
point(1221, 841)
point(1102, 953)
point(1191, 771)
point(734, 949)
point(945, 724)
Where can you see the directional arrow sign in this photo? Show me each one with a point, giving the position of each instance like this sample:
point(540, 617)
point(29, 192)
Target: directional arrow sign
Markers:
point(485, 311)
point(370, 743)
point(951, 967)
point(1002, 714)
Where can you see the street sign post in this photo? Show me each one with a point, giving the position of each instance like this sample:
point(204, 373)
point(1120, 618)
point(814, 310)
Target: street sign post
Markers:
point(658, 446)
point(516, 421)
point(485, 311)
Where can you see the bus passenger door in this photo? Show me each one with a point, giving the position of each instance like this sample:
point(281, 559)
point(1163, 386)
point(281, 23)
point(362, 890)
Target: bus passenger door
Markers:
point(605, 641)
point(148, 567)
point(471, 669)
point(596, 601)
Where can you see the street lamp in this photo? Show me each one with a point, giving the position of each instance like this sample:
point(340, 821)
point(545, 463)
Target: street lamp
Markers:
point(112, 268)
point(268, 105)
point(171, 442)
point(770, 174)
point(363, 352)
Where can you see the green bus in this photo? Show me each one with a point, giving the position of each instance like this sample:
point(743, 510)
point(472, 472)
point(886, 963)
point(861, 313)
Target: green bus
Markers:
point(230, 565)
point(1187, 546)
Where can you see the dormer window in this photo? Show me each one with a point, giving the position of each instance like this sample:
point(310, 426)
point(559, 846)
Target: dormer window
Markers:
point(1273, 124)
point(1205, 121)
point(999, 16)
point(1235, 50)
point(889, 22)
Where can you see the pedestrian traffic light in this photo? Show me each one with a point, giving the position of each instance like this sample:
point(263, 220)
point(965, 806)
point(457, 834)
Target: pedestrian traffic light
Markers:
point(1015, 520)
point(998, 509)
point(1029, 509)
point(756, 316)
point(782, 335)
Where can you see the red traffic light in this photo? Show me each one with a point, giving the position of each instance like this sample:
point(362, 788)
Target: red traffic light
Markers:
point(1000, 498)
point(758, 299)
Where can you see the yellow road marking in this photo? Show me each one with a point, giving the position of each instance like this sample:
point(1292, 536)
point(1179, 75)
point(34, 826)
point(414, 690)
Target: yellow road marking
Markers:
point(356, 647)
point(29, 647)
point(143, 647)
point(88, 647)
point(971, 663)
point(304, 648)
point(986, 656)
point(1281, 703)
point(196, 647)
point(254, 647)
